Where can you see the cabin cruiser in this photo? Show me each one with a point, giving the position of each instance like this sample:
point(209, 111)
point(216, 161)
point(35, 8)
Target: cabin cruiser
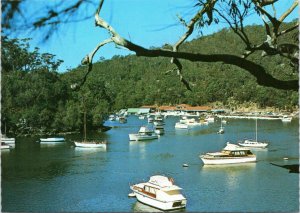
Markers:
point(159, 128)
point(7, 141)
point(180, 125)
point(253, 144)
point(144, 134)
point(232, 153)
point(5, 145)
point(159, 192)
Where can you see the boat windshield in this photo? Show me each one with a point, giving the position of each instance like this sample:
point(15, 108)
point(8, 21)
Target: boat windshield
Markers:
point(173, 192)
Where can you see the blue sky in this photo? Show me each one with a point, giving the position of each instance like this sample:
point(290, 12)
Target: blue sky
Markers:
point(144, 22)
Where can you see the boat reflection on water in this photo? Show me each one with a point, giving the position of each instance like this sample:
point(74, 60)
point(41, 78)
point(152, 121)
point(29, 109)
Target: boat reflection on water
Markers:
point(140, 207)
point(89, 150)
point(231, 174)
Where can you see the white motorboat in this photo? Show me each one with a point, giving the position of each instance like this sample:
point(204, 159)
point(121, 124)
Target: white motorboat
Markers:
point(91, 144)
point(5, 146)
point(179, 125)
point(286, 118)
point(141, 117)
point(231, 154)
point(253, 144)
point(7, 140)
point(159, 128)
point(51, 140)
point(112, 118)
point(160, 192)
point(210, 119)
point(144, 134)
point(150, 120)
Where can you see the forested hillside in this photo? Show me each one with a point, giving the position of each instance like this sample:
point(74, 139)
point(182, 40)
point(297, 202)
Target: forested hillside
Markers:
point(38, 99)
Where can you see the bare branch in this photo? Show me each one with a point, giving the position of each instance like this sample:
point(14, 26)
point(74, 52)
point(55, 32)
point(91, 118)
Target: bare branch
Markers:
point(294, 5)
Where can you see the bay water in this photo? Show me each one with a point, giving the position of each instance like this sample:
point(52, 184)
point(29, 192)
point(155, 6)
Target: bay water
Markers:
point(60, 177)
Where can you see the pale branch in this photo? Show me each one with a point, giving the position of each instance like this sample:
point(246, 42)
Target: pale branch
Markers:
point(89, 58)
point(288, 12)
point(190, 27)
point(207, 8)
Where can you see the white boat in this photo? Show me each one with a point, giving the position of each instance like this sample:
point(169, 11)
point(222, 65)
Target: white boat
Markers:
point(7, 140)
point(210, 119)
point(112, 118)
point(221, 130)
point(51, 140)
point(253, 143)
point(90, 144)
point(159, 128)
point(231, 154)
point(144, 134)
point(142, 117)
point(285, 118)
point(160, 192)
point(5, 146)
point(150, 120)
point(179, 125)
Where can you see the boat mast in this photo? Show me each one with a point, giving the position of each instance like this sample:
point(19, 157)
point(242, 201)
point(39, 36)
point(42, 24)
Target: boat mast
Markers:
point(84, 125)
point(256, 129)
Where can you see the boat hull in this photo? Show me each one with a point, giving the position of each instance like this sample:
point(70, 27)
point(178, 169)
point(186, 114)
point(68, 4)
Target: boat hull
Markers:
point(262, 145)
point(52, 140)
point(227, 160)
point(90, 145)
point(137, 137)
point(5, 146)
point(8, 140)
point(162, 205)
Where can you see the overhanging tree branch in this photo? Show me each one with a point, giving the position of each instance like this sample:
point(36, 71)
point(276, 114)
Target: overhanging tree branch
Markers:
point(262, 77)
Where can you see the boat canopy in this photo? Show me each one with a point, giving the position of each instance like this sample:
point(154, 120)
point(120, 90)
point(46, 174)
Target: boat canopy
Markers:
point(165, 183)
point(234, 147)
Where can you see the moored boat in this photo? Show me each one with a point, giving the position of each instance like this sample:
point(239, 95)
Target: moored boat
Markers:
point(144, 134)
point(252, 144)
point(286, 118)
point(221, 130)
point(5, 145)
point(159, 128)
point(179, 125)
point(7, 140)
point(159, 192)
point(90, 144)
point(231, 154)
point(51, 140)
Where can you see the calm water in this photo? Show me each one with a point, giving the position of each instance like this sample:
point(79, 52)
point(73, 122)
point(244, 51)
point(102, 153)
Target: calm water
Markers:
point(57, 178)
